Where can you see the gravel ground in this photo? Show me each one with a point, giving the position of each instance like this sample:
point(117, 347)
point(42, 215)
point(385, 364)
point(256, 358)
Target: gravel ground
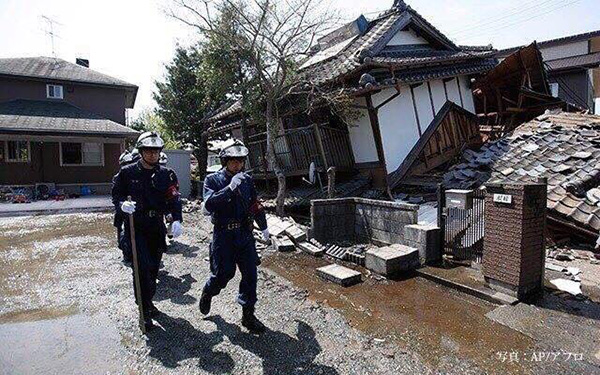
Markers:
point(56, 262)
point(63, 265)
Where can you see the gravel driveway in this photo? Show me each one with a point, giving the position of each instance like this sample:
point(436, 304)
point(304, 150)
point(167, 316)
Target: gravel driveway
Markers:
point(61, 267)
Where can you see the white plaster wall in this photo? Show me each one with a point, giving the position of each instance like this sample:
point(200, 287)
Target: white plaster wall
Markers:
point(406, 37)
point(398, 126)
point(452, 90)
point(566, 50)
point(438, 94)
point(361, 137)
point(423, 103)
point(467, 94)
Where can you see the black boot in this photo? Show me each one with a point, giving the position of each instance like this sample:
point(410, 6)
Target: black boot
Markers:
point(204, 304)
point(148, 324)
point(251, 322)
point(153, 312)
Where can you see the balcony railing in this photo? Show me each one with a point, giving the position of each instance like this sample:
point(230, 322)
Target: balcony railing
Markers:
point(296, 149)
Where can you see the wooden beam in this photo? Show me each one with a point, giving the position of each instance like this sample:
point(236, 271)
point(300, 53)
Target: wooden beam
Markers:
point(392, 97)
point(412, 95)
point(374, 119)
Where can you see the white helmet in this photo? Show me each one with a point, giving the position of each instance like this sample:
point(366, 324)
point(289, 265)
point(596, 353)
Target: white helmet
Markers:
point(235, 149)
point(125, 158)
point(163, 159)
point(150, 140)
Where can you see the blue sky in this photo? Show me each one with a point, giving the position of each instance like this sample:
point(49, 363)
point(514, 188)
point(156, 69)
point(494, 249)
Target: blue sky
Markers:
point(132, 39)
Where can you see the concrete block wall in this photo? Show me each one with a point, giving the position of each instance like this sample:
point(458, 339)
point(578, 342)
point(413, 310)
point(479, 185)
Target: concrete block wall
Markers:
point(426, 239)
point(361, 220)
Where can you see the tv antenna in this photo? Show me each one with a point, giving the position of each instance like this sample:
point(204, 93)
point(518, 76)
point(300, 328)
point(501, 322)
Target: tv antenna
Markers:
point(50, 31)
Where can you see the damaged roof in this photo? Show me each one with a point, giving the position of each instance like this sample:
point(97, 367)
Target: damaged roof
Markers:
point(563, 147)
point(55, 118)
point(371, 49)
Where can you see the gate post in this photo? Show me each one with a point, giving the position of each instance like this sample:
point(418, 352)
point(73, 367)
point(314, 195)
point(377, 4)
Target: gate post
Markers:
point(514, 249)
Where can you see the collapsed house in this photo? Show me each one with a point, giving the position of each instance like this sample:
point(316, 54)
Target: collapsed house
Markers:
point(407, 80)
point(562, 147)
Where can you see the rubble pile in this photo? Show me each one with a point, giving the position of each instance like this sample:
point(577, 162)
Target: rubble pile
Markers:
point(563, 147)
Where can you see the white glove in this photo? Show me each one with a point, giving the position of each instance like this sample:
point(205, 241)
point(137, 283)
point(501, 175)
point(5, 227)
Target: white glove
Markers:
point(176, 229)
point(203, 209)
point(236, 181)
point(128, 207)
point(266, 234)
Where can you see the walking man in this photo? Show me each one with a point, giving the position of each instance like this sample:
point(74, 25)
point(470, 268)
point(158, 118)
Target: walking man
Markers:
point(230, 198)
point(154, 192)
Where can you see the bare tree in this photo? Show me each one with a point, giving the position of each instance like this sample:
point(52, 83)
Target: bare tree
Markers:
point(274, 36)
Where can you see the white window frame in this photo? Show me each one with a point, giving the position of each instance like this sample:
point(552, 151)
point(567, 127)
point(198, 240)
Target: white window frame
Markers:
point(101, 164)
point(7, 155)
point(61, 89)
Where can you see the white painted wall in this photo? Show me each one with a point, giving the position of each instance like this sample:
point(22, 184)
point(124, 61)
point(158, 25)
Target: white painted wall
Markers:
point(438, 94)
point(467, 94)
point(423, 103)
point(452, 90)
point(398, 126)
point(398, 122)
point(406, 37)
point(565, 50)
point(361, 137)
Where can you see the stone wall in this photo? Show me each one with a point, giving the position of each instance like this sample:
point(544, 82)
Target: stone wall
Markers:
point(513, 256)
point(361, 220)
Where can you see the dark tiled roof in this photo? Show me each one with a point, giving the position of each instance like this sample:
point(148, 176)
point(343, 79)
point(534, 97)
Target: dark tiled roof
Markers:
point(591, 60)
point(48, 117)
point(370, 49)
point(58, 69)
point(564, 147)
point(226, 110)
point(554, 42)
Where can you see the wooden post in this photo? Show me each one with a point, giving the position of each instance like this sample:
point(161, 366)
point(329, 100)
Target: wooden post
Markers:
point(374, 119)
point(319, 142)
point(331, 182)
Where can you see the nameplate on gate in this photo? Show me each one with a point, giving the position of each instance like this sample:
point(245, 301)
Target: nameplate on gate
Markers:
point(503, 198)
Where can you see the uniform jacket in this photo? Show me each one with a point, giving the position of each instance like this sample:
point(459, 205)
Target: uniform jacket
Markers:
point(156, 190)
point(228, 206)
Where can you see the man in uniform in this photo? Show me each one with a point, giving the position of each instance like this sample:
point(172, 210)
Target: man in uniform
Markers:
point(230, 198)
point(154, 193)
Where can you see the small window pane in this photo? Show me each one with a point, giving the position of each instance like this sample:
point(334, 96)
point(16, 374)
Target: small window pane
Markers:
point(92, 153)
point(71, 153)
point(18, 151)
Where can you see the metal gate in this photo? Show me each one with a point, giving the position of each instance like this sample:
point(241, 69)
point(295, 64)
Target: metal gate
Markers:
point(463, 229)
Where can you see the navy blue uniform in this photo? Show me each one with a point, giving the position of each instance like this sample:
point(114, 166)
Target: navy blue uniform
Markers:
point(118, 221)
point(156, 193)
point(233, 213)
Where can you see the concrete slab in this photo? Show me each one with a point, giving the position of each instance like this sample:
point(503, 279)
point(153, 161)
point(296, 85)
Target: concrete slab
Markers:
point(295, 234)
point(339, 274)
point(92, 203)
point(392, 260)
point(311, 249)
point(283, 244)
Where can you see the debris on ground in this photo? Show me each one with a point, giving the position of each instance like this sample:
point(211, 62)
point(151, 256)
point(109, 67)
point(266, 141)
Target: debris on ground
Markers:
point(569, 286)
point(339, 274)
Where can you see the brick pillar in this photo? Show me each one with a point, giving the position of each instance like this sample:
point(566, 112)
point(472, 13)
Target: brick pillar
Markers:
point(513, 247)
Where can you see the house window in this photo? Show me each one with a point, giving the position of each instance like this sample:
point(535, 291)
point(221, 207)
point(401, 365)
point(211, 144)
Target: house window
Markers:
point(54, 91)
point(86, 154)
point(554, 89)
point(17, 151)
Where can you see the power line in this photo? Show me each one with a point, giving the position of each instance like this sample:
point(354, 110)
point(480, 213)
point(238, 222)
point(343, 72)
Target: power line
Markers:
point(523, 8)
point(493, 31)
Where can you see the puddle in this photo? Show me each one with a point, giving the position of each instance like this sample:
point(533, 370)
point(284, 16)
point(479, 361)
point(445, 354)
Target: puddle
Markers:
point(416, 314)
point(37, 314)
point(75, 344)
